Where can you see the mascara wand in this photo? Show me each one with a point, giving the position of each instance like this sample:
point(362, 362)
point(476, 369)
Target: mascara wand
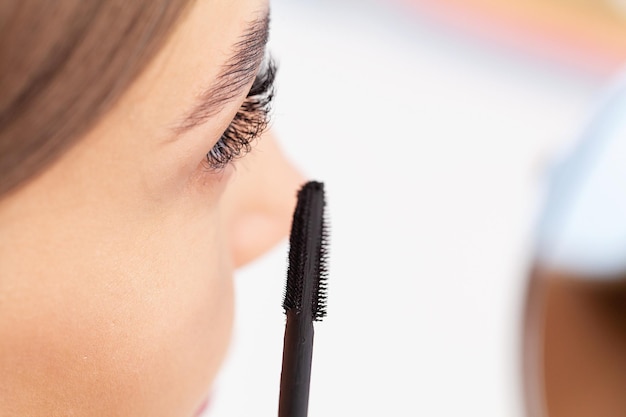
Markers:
point(305, 298)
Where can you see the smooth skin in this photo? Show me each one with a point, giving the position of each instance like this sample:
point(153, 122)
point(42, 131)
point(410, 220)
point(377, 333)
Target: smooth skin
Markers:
point(116, 264)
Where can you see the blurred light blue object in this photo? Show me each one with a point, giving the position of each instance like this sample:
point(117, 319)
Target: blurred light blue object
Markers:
point(582, 228)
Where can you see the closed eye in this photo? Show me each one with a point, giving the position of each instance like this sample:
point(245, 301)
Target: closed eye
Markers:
point(249, 122)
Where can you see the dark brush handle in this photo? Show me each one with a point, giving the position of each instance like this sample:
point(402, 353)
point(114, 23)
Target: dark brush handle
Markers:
point(295, 377)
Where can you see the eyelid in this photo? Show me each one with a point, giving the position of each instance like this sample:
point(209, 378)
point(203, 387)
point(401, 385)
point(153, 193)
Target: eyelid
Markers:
point(250, 121)
point(237, 72)
point(265, 77)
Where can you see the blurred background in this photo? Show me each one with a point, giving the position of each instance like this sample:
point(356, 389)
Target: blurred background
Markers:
point(433, 124)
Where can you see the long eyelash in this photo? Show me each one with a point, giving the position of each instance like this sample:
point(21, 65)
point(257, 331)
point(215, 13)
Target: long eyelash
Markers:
point(251, 120)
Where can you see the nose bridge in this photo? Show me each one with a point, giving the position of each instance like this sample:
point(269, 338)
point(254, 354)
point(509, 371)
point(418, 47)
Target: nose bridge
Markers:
point(260, 200)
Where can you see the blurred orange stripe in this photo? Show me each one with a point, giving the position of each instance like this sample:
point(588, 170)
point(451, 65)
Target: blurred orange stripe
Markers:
point(588, 35)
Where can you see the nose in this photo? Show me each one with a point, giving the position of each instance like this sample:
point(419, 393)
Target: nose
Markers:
point(260, 200)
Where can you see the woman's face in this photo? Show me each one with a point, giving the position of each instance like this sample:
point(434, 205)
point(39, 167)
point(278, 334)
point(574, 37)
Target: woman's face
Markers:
point(116, 264)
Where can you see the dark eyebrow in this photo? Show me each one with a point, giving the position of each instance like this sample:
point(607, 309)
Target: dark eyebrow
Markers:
point(238, 71)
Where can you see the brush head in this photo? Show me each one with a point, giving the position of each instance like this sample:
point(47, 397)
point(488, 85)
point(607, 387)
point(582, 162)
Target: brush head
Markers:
point(307, 274)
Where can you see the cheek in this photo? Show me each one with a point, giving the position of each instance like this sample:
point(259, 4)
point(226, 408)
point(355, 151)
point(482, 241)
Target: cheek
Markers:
point(157, 363)
point(178, 326)
point(139, 330)
point(127, 306)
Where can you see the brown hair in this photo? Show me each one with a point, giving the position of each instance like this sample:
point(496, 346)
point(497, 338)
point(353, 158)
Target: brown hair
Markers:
point(63, 64)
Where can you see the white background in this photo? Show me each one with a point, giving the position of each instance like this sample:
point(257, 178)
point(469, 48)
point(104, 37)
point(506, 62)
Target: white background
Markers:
point(433, 148)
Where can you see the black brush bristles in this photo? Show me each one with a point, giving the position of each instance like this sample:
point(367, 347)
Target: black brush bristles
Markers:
point(305, 297)
point(308, 254)
point(320, 293)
